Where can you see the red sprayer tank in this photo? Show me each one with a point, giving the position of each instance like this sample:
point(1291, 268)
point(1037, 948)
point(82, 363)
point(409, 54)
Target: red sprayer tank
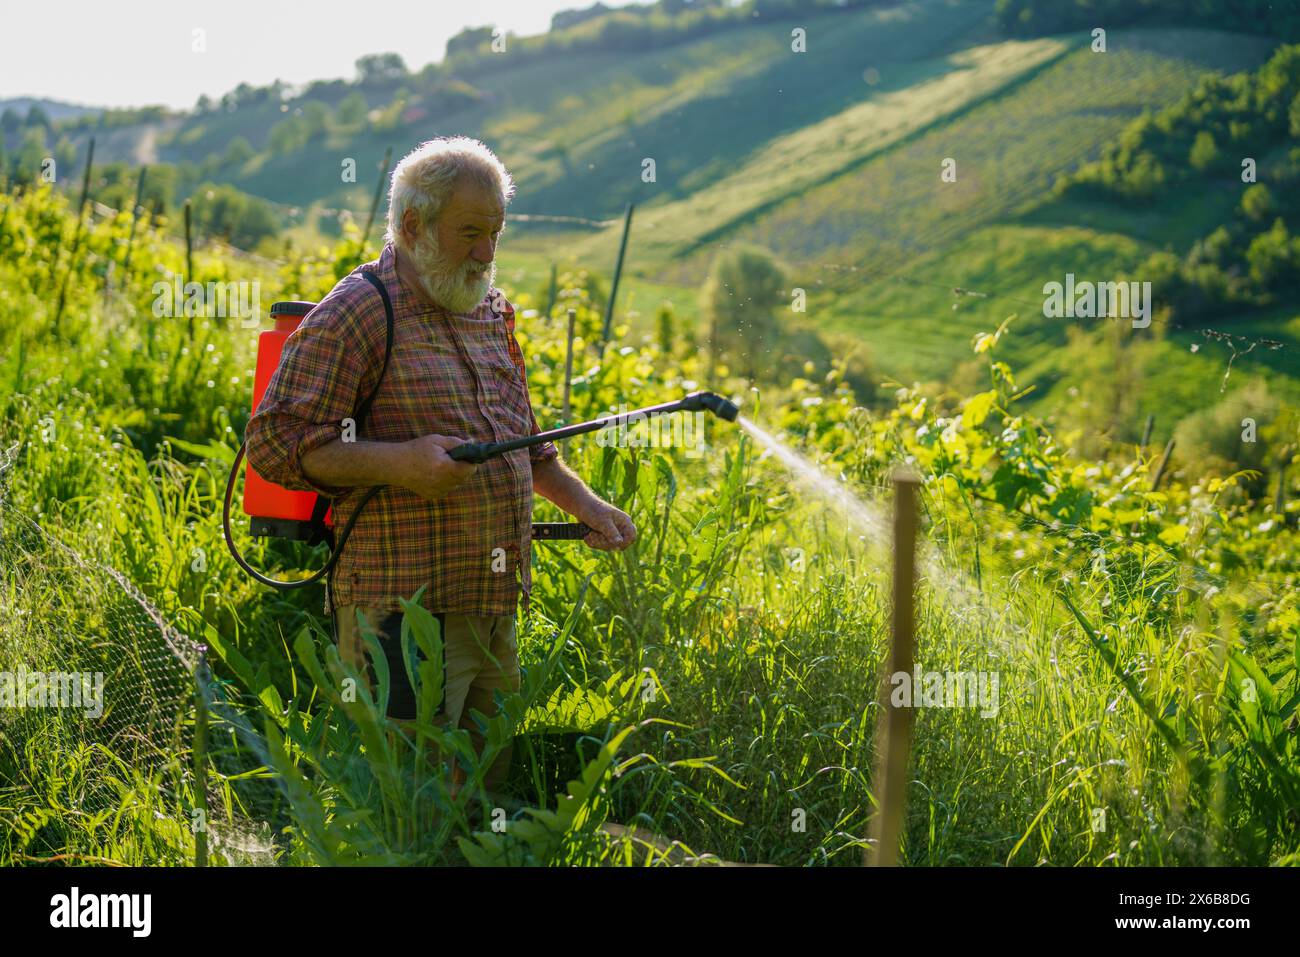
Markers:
point(276, 510)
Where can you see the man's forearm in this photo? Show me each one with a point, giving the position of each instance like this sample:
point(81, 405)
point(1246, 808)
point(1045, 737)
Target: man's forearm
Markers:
point(357, 464)
point(553, 480)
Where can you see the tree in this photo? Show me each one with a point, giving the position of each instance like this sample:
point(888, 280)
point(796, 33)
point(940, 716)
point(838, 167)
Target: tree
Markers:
point(380, 68)
point(38, 117)
point(1257, 202)
point(31, 154)
point(1274, 259)
point(1204, 151)
point(239, 152)
point(1212, 436)
point(289, 135)
point(10, 121)
point(469, 40)
point(242, 220)
point(665, 328)
point(352, 111)
point(316, 116)
point(65, 155)
point(571, 18)
point(740, 301)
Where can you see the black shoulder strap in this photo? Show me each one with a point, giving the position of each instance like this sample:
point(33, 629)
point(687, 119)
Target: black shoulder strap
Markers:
point(363, 410)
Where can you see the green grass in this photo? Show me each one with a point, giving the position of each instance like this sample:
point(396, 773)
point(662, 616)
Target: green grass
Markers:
point(701, 685)
point(916, 326)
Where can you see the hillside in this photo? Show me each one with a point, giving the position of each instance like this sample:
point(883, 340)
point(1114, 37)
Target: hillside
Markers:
point(830, 159)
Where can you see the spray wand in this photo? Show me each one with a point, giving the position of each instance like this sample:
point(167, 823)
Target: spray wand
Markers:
point(478, 453)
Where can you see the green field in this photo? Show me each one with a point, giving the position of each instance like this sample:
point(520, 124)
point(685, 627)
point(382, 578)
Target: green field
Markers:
point(882, 247)
point(717, 686)
point(702, 686)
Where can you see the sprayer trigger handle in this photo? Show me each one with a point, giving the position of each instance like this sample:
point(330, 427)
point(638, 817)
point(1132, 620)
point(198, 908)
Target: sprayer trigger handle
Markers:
point(560, 531)
point(476, 452)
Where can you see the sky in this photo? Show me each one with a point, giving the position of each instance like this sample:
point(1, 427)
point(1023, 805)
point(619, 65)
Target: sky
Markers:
point(140, 52)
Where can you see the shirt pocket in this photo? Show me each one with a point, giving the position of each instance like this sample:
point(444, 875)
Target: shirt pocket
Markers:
point(432, 390)
point(503, 386)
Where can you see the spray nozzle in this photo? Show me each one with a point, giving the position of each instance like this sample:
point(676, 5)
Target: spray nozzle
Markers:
point(722, 408)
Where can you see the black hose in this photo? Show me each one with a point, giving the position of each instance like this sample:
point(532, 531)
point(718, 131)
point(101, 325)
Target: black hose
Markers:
point(275, 582)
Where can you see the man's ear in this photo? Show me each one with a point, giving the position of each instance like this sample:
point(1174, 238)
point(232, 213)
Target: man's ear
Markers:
point(410, 226)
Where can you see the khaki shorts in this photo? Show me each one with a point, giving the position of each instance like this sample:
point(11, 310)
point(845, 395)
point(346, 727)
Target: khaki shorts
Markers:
point(480, 656)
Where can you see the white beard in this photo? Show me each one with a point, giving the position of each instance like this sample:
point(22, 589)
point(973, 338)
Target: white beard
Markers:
point(455, 289)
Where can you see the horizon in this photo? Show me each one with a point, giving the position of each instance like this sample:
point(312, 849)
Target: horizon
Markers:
point(338, 36)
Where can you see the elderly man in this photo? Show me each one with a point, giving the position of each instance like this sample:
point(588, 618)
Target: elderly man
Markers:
point(455, 374)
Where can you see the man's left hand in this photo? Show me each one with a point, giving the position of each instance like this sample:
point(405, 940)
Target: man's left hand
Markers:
point(611, 528)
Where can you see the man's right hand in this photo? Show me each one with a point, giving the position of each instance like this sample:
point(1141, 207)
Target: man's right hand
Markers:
point(429, 471)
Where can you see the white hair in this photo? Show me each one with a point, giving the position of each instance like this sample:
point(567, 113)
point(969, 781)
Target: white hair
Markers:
point(425, 177)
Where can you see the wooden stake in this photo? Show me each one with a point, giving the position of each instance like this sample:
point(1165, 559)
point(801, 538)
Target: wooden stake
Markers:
point(568, 365)
point(200, 754)
point(1160, 469)
point(4, 218)
point(108, 284)
point(550, 298)
point(713, 347)
point(1146, 432)
point(76, 237)
point(374, 204)
point(895, 730)
point(135, 218)
point(1279, 500)
point(618, 271)
point(189, 268)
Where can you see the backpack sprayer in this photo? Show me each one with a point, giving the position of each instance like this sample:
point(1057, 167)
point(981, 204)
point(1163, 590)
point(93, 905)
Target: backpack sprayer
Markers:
point(278, 512)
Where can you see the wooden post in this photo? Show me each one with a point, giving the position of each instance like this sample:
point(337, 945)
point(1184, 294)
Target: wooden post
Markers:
point(568, 365)
point(374, 203)
point(200, 755)
point(76, 237)
point(1164, 461)
point(618, 271)
point(108, 284)
point(550, 297)
point(135, 219)
point(1146, 432)
point(713, 347)
point(895, 730)
point(12, 197)
point(189, 269)
point(1279, 500)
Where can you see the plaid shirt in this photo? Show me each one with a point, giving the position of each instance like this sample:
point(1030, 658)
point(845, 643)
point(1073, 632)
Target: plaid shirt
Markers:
point(456, 375)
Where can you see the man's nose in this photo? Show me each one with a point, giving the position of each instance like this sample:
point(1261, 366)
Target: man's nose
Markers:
point(484, 250)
